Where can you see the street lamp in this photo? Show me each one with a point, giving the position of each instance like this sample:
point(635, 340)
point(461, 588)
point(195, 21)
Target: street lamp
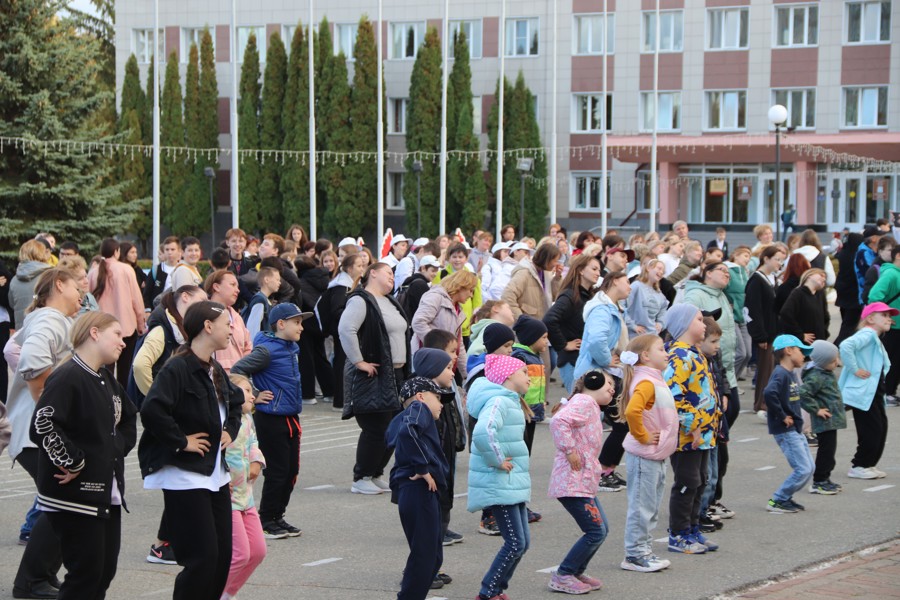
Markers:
point(524, 167)
point(777, 116)
point(210, 174)
point(417, 169)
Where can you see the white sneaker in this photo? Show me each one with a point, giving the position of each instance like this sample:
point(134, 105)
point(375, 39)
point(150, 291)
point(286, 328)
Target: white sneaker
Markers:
point(861, 473)
point(366, 486)
point(763, 415)
point(310, 401)
point(327, 399)
point(381, 483)
point(878, 472)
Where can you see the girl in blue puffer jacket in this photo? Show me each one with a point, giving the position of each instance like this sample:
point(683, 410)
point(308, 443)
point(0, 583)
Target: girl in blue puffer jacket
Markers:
point(498, 467)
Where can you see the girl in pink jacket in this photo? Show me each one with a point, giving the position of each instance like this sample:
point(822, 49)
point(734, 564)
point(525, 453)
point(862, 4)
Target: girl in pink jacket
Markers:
point(649, 409)
point(577, 429)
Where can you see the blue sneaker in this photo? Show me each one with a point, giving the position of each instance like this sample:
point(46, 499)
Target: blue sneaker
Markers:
point(685, 543)
point(697, 536)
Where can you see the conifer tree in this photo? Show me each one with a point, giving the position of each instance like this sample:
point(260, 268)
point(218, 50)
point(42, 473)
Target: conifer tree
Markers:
point(130, 132)
point(536, 206)
point(180, 210)
point(325, 64)
point(459, 100)
point(146, 118)
point(272, 133)
point(248, 138)
point(174, 168)
point(295, 173)
point(335, 123)
point(132, 95)
point(208, 113)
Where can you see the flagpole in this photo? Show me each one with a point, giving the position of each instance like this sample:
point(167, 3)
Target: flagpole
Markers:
point(654, 174)
point(502, 87)
point(312, 129)
point(380, 134)
point(156, 162)
point(235, 200)
point(554, 110)
point(604, 174)
point(442, 227)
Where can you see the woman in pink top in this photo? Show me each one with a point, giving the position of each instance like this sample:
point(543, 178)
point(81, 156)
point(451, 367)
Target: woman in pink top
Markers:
point(222, 286)
point(577, 429)
point(115, 287)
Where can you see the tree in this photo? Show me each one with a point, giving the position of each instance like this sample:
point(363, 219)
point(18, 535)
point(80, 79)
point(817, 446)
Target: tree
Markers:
point(536, 204)
point(465, 181)
point(272, 133)
point(423, 134)
point(147, 121)
point(52, 90)
point(325, 63)
point(248, 137)
point(295, 173)
point(174, 168)
point(335, 123)
point(130, 165)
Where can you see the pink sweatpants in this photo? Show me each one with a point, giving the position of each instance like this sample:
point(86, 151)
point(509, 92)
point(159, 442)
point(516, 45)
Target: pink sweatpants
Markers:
point(248, 548)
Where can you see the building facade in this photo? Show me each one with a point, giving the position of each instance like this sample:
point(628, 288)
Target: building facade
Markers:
point(834, 64)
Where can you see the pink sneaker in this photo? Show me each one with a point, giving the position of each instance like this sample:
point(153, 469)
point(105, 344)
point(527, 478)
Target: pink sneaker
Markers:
point(568, 584)
point(595, 583)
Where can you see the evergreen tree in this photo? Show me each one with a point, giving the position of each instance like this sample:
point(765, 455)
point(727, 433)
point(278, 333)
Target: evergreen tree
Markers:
point(272, 134)
point(536, 203)
point(423, 134)
point(324, 61)
point(147, 114)
point(459, 100)
point(130, 132)
point(467, 173)
point(337, 190)
point(174, 168)
point(132, 95)
point(180, 209)
point(52, 90)
point(295, 173)
point(248, 137)
point(198, 197)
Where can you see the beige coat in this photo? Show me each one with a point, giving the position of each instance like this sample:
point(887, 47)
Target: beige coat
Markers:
point(525, 294)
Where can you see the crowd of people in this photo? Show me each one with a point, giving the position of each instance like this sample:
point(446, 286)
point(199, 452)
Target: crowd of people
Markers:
point(434, 347)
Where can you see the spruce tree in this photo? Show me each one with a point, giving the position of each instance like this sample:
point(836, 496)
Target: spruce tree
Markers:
point(180, 214)
point(459, 100)
point(248, 138)
point(335, 123)
point(132, 95)
point(174, 166)
point(466, 171)
point(295, 174)
point(324, 61)
point(146, 118)
point(133, 177)
point(272, 134)
point(423, 134)
point(130, 132)
point(208, 113)
point(536, 204)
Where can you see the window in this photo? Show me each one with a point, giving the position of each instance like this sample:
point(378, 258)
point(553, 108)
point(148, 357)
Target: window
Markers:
point(472, 30)
point(589, 34)
point(287, 36)
point(142, 45)
point(521, 37)
point(671, 34)
point(476, 114)
point(406, 39)
point(243, 36)
point(586, 191)
point(394, 198)
point(801, 107)
point(669, 116)
point(194, 35)
point(345, 39)
point(726, 110)
point(797, 26)
point(397, 115)
point(727, 29)
point(865, 107)
point(868, 22)
point(587, 112)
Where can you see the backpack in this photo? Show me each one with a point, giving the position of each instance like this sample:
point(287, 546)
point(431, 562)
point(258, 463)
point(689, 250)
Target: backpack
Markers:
point(402, 296)
point(245, 314)
point(132, 389)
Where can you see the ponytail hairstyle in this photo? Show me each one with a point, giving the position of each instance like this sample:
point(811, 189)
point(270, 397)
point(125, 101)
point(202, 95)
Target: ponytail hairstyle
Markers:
point(46, 285)
point(81, 330)
point(609, 279)
point(194, 323)
point(214, 278)
point(169, 302)
point(108, 249)
point(375, 267)
point(347, 263)
point(638, 345)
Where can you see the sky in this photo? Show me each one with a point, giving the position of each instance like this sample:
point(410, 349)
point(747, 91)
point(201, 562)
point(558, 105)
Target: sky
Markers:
point(84, 5)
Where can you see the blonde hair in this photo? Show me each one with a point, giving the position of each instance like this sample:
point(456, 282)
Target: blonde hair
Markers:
point(463, 279)
point(81, 330)
point(638, 345)
point(809, 273)
point(73, 263)
point(34, 250)
point(645, 271)
point(239, 379)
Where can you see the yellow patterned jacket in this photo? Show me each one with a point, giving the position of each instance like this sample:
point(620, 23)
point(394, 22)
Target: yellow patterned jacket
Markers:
point(693, 387)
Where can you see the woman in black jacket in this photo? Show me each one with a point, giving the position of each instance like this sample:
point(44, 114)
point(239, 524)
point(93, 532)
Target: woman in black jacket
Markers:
point(84, 426)
point(564, 320)
point(847, 287)
point(6, 326)
point(763, 328)
point(190, 414)
point(314, 363)
point(805, 312)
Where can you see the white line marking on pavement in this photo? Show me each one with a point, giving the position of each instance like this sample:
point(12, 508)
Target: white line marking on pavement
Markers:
point(319, 487)
point(766, 468)
point(436, 598)
point(747, 440)
point(548, 569)
point(463, 495)
point(334, 439)
point(305, 452)
point(324, 561)
point(17, 495)
point(661, 540)
point(746, 411)
point(879, 488)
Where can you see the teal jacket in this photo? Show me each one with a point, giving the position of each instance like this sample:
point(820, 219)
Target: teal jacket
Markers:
point(708, 298)
point(820, 390)
point(499, 434)
point(887, 288)
point(735, 290)
point(862, 350)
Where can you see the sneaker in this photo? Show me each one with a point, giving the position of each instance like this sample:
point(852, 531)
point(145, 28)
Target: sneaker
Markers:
point(619, 479)
point(448, 541)
point(861, 473)
point(337, 409)
point(892, 400)
point(698, 536)
point(309, 401)
point(366, 486)
point(822, 487)
point(381, 483)
point(568, 584)
point(795, 505)
point(437, 584)
point(811, 439)
point(23, 539)
point(291, 530)
point(328, 399)
point(665, 562)
point(685, 544)
point(162, 554)
point(595, 583)
point(642, 564)
point(880, 474)
point(609, 483)
point(533, 517)
point(709, 524)
point(456, 537)
point(763, 415)
point(775, 506)
point(489, 526)
point(273, 531)
point(446, 579)
point(721, 511)
point(835, 486)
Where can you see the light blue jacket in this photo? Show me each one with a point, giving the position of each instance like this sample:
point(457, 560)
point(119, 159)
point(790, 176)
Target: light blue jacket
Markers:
point(603, 322)
point(862, 350)
point(498, 435)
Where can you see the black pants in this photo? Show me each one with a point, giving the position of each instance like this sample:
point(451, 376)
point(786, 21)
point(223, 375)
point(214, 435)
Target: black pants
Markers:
point(722, 449)
point(420, 515)
point(279, 442)
point(891, 341)
point(88, 574)
point(4, 368)
point(825, 455)
point(849, 320)
point(765, 364)
point(123, 365)
point(337, 373)
point(871, 432)
point(162, 533)
point(529, 434)
point(689, 468)
point(43, 556)
point(314, 365)
point(372, 453)
point(447, 432)
point(612, 452)
point(199, 524)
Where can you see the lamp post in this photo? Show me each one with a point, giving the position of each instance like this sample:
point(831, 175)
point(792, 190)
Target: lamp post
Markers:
point(777, 116)
point(524, 167)
point(210, 174)
point(417, 169)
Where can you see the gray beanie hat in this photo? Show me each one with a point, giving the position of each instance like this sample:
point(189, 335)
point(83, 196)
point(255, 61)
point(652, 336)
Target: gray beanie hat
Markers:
point(429, 362)
point(679, 318)
point(823, 353)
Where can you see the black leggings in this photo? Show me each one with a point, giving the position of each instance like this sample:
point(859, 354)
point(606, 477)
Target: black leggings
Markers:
point(372, 453)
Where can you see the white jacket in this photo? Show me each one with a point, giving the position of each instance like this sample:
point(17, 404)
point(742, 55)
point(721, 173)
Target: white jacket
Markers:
point(810, 253)
point(499, 278)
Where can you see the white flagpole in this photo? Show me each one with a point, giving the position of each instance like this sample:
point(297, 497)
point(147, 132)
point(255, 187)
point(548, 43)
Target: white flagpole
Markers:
point(445, 37)
point(654, 174)
point(235, 204)
point(156, 162)
point(553, 110)
point(502, 86)
point(380, 134)
point(312, 129)
point(604, 175)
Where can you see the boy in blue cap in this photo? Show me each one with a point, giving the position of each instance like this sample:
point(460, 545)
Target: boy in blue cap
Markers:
point(785, 418)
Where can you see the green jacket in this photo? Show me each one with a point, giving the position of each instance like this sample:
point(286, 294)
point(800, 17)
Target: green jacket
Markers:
point(707, 298)
point(820, 390)
point(735, 290)
point(886, 288)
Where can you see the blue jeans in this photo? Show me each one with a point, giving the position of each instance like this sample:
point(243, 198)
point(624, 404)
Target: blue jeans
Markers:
point(512, 519)
point(796, 450)
point(712, 480)
point(30, 517)
point(590, 517)
point(646, 486)
point(567, 373)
